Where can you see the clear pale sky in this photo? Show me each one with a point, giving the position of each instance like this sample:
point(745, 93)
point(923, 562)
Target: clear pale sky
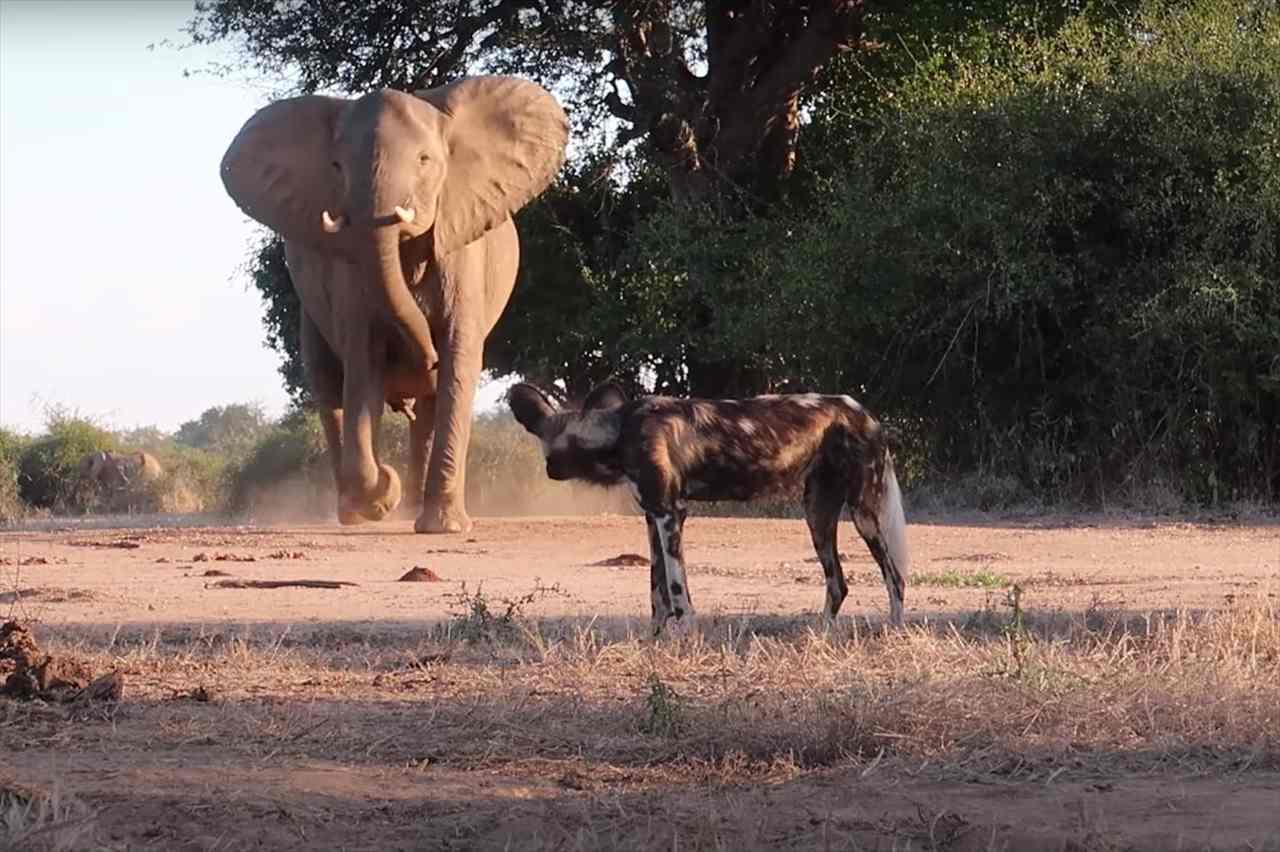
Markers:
point(120, 290)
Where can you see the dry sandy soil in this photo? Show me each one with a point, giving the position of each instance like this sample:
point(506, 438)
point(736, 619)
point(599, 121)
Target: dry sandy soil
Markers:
point(1128, 702)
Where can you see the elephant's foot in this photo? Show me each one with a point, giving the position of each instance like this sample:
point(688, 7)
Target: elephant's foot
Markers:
point(348, 517)
point(356, 509)
point(443, 515)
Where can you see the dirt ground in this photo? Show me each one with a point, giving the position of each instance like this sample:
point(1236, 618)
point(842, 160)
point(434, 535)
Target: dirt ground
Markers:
point(364, 752)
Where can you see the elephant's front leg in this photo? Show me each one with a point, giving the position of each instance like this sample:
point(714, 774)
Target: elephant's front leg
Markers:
point(444, 504)
point(367, 489)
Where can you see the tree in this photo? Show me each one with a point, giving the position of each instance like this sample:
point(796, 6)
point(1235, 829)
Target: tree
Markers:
point(224, 429)
point(714, 88)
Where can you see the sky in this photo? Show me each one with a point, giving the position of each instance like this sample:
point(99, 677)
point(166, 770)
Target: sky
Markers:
point(121, 291)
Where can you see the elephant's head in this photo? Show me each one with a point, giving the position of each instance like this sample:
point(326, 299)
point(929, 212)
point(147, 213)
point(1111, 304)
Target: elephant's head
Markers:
point(91, 465)
point(106, 468)
point(345, 176)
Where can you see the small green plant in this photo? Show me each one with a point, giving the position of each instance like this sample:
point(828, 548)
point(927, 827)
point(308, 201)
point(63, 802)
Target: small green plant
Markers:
point(1016, 634)
point(664, 709)
point(474, 619)
point(953, 579)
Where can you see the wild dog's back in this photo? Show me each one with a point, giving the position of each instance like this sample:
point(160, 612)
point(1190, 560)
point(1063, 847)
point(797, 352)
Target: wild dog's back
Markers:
point(737, 449)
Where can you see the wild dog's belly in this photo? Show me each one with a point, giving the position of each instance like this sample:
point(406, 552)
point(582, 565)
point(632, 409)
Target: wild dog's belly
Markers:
point(732, 477)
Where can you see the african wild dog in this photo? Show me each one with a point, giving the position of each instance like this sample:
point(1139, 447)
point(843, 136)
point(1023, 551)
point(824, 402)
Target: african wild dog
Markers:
point(672, 450)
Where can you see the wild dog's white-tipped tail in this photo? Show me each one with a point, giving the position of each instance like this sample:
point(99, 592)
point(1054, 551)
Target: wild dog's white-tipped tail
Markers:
point(893, 530)
point(876, 506)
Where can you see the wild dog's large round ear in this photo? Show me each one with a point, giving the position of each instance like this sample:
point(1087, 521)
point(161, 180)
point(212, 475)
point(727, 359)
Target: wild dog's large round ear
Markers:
point(530, 406)
point(608, 395)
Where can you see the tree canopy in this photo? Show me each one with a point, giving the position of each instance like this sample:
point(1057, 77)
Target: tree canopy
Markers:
point(980, 215)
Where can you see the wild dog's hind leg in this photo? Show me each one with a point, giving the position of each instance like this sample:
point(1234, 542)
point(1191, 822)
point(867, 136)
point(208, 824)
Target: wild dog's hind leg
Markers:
point(824, 495)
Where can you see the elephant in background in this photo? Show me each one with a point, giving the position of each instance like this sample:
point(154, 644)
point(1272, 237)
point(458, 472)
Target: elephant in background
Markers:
point(120, 481)
point(395, 210)
point(120, 471)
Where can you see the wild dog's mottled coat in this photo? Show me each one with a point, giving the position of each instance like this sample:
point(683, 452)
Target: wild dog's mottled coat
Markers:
point(672, 450)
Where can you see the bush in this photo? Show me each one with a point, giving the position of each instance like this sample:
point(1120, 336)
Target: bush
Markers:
point(194, 480)
point(1048, 259)
point(48, 475)
point(1093, 239)
point(12, 447)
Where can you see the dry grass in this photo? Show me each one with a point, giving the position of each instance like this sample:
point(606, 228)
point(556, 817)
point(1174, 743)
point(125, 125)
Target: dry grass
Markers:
point(42, 821)
point(1007, 692)
point(603, 727)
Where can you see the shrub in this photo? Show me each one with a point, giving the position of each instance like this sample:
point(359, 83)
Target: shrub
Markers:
point(1059, 256)
point(194, 480)
point(12, 447)
point(48, 475)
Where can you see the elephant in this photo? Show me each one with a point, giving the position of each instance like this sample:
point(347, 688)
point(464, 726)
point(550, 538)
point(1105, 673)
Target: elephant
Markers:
point(395, 209)
point(121, 481)
point(118, 471)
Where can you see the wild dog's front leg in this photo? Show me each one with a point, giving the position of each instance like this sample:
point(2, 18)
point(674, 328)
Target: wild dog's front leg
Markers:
point(669, 526)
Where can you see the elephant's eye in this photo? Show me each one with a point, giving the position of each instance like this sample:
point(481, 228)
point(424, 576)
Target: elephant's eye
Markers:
point(423, 159)
point(337, 167)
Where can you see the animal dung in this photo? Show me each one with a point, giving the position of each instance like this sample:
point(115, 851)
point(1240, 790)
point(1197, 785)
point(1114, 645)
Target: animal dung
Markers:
point(418, 574)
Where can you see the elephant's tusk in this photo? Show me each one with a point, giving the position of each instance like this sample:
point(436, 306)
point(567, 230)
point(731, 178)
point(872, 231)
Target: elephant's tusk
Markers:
point(406, 216)
point(330, 225)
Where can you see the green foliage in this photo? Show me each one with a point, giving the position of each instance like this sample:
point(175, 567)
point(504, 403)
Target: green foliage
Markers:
point(474, 618)
point(984, 578)
point(569, 319)
point(664, 709)
point(48, 476)
point(12, 446)
point(1040, 238)
point(224, 429)
point(1052, 259)
point(1069, 246)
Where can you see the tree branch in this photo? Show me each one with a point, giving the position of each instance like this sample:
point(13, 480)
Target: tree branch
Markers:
point(770, 104)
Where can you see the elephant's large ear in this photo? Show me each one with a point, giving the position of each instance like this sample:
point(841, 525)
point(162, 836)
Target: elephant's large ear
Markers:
point(530, 406)
point(506, 139)
point(278, 168)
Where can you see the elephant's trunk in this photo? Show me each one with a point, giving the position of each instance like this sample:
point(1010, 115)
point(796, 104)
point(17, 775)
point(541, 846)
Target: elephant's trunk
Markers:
point(399, 301)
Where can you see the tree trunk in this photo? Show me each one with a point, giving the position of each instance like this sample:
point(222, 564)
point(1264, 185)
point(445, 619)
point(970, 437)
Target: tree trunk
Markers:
point(728, 137)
